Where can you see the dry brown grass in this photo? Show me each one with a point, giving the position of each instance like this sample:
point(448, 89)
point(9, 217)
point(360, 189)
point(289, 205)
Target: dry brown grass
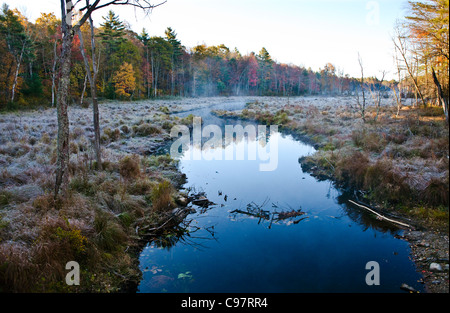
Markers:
point(129, 166)
point(161, 197)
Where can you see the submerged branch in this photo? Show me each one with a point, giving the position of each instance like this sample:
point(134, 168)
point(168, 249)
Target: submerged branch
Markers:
point(382, 217)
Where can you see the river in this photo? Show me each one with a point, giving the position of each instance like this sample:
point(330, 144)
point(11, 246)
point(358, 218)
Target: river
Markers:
point(280, 231)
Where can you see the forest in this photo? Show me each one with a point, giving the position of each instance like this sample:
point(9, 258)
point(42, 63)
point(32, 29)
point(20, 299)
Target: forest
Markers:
point(135, 66)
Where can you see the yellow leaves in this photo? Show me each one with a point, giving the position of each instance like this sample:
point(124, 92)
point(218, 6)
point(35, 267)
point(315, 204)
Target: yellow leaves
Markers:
point(124, 81)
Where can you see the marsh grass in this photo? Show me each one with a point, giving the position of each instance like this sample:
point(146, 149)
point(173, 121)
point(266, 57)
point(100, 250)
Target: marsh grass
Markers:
point(96, 224)
point(161, 197)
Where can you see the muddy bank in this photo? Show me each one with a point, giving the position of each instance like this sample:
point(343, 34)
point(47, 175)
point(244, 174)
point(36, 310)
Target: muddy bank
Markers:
point(429, 250)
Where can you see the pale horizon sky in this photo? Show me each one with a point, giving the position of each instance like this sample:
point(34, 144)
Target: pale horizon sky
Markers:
point(301, 32)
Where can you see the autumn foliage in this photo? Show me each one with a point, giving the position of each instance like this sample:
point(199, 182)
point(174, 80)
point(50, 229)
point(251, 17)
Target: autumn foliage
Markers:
point(124, 81)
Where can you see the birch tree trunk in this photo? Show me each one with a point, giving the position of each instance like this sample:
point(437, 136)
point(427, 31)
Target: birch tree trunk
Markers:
point(16, 73)
point(93, 83)
point(62, 161)
point(55, 60)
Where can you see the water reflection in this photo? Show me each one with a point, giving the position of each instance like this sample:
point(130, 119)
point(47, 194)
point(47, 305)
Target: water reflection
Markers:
point(364, 218)
point(259, 212)
point(279, 231)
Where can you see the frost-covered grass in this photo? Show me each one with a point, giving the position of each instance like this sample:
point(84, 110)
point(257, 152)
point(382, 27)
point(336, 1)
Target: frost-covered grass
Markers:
point(100, 221)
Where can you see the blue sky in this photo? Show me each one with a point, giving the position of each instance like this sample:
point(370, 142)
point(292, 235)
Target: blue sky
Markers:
point(303, 32)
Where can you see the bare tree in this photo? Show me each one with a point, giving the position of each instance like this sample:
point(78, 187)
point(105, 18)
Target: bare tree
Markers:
point(401, 46)
point(68, 32)
point(93, 83)
point(361, 103)
point(398, 96)
point(377, 93)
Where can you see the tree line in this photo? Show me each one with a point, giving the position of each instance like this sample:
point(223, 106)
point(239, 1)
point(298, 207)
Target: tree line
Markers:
point(128, 65)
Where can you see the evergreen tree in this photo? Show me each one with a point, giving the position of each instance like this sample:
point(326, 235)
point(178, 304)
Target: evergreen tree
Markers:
point(145, 39)
point(177, 52)
point(112, 32)
point(265, 63)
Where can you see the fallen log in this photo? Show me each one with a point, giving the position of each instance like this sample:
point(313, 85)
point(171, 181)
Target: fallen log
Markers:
point(382, 217)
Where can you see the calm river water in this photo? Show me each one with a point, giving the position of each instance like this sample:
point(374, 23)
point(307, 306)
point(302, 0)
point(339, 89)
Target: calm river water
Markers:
point(273, 231)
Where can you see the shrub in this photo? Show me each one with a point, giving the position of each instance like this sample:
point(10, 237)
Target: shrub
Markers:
point(45, 138)
point(109, 235)
point(397, 138)
point(125, 129)
point(160, 161)
point(374, 142)
point(436, 193)
point(146, 130)
point(17, 270)
point(110, 187)
point(73, 147)
point(115, 135)
point(358, 137)
point(73, 236)
point(370, 141)
point(80, 183)
point(77, 132)
point(125, 219)
point(280, 118)
point(431, 111)
point(45, 202)
point(351, 169)
point(166, 125)
point(110, 135)
point(140, 187)
point(129, 166)
point(59, 242)
point(164, 109)
point(5, 198)
point(387, 185)
point(161, 196)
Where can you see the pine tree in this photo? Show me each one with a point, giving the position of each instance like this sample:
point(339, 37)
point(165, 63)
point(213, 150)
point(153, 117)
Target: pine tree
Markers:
point(177, 52)
point(264, 68)
point(112, 32)
point(145, 39)
point(112, 35)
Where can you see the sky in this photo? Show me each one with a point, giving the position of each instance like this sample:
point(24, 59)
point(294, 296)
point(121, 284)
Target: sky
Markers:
point(309, 33)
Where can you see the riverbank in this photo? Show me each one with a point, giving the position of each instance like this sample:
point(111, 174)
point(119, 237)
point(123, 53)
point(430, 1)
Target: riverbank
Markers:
point(397, 161)
point(108, 215)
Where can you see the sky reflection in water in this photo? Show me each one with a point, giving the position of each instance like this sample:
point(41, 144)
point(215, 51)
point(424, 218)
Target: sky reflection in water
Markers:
point(324, 250)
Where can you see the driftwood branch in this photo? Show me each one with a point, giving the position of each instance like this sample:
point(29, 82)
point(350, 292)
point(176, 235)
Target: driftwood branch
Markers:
point(382, 217)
